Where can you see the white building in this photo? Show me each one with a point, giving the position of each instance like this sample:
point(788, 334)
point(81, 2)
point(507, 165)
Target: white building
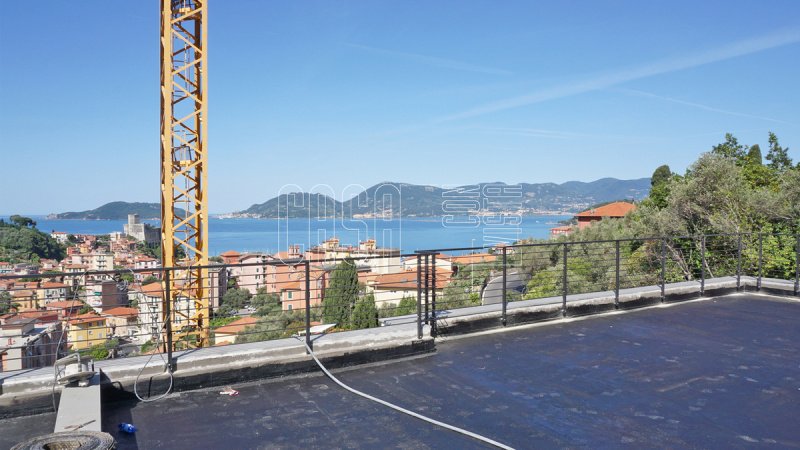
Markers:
point(100, 261)
point(59, 236)
point(51, 291)
point(23, 345)
point(149, 299)
point(141, 231)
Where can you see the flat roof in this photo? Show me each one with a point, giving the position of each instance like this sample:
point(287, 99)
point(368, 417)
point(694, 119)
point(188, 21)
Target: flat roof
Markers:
point(720, 372)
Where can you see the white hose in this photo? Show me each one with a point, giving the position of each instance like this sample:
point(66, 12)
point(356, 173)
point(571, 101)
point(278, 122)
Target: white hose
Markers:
point(403, 410)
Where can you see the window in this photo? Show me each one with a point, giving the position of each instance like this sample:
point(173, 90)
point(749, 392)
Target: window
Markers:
point(288, 307)
point(289, 295)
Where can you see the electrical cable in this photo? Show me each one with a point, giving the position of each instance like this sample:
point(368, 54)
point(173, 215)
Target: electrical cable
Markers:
point(403, 410)
point(166, 367)
point(64, 330)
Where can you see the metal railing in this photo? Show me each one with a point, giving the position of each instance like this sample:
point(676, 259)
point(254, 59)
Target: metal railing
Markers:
point(117, 313)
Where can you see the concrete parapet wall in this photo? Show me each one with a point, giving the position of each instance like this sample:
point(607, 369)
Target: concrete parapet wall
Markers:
point(479, 318)
point(30, 392)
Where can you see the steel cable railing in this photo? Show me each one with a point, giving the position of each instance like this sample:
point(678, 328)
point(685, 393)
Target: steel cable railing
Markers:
point(119, 313)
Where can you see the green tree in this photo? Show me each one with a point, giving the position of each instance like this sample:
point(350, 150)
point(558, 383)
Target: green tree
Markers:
point(147, 347)
point(5, 302)
point(365, 313)
point(659, 186)
point(546, 283)
point(661, 175)
point(788, 205)
point(755, 172)
point(274, 326)
point(220, 322)
point(714, 197)
point(101, 351)
point(754, 155)
point(407, 305)
point(22, 222)
point(236, 299)
point(266, 303)
point(341, 295)
point(154, 250)
point(731, 148)
point(149, 279)
point(778, 156)
point(24, 244)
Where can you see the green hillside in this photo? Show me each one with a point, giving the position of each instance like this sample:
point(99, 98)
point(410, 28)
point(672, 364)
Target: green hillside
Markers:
point(114, 211)
point(410, 200)
point(20, 241)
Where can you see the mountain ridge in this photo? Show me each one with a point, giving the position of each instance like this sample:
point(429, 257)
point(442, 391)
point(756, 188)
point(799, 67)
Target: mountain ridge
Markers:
point(117, 210)
point(382, 199)
point(397, 199)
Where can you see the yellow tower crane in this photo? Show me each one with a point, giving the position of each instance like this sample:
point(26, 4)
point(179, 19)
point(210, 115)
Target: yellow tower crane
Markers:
point(184, 205)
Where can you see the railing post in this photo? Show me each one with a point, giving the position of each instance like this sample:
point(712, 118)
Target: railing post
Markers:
point(703, 265)
point(308, 305)
point(616, 277)
point(564, 284)
point(419, 296)
point(663, 269)
point(797, 266)
point(739, 263)
point(433, 295)
point(168, 317)
point(760, 260)
point(427, 289)
point(505, 281)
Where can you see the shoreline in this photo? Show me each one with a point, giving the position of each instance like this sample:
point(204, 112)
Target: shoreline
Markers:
point(414, 218)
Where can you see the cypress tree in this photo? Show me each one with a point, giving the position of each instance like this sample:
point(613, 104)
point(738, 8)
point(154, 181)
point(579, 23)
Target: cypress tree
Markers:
point(365, 314)
point(341, 295)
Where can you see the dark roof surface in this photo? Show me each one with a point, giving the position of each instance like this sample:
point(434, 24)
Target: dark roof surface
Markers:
point(719, 373)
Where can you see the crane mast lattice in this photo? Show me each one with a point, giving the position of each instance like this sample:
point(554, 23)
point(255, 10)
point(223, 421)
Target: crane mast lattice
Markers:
point(184, 206)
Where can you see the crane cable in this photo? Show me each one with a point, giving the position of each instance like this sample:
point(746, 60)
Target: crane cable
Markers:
point(403, 410)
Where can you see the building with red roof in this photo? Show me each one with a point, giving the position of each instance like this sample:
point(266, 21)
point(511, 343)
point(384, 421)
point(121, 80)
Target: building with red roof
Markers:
point(227, 334)
point(615, 210)
point(123, 322)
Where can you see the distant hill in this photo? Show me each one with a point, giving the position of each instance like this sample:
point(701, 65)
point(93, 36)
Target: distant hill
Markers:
point(114, 211)
point(295, 205)
point(427, 201)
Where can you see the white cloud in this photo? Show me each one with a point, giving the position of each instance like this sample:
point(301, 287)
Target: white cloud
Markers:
point(697, 105)
point(603, 81)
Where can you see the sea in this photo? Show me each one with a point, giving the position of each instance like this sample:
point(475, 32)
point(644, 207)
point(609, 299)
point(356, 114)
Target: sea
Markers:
point(407, 234)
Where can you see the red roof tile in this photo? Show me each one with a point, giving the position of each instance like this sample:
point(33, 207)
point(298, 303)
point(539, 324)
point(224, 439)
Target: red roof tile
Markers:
point(86, 318)
point(616, 209)
point(154, 289)
point(237, 326)
point(122, 311)
point(63, 304)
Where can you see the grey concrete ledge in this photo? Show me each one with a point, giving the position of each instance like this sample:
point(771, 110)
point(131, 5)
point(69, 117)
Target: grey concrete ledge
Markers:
point(479, 318)
point(29, 392)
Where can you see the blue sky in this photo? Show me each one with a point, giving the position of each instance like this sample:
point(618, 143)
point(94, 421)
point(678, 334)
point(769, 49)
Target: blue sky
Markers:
point(431, 92)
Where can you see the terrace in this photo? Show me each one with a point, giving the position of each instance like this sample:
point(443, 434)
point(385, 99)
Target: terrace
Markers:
point(703, 316)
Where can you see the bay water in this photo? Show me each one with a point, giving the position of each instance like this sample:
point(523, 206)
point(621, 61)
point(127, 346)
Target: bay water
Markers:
point(273, 235)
